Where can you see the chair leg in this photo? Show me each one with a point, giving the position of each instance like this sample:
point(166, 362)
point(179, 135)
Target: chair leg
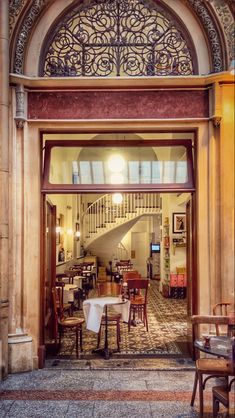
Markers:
point(118, 335)
point(194, 389)
point(98, 338)
point(200, 381)
point(215, 407)
point(77, 341)
point(60, 337)
point(146, 319)
point(129, 322)
point(80, 330)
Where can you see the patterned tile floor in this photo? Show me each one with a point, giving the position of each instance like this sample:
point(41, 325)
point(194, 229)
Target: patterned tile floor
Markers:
point(166, 336)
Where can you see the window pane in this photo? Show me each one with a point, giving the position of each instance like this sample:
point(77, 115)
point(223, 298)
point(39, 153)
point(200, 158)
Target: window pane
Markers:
point(118, 165)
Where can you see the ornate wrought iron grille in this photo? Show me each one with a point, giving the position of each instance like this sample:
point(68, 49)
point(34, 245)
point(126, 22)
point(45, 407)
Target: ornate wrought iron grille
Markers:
point(118, 38)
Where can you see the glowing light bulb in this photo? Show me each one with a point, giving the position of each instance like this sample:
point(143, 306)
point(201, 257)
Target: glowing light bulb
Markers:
point(117, 198)
point(116, 163)
point(117, 178)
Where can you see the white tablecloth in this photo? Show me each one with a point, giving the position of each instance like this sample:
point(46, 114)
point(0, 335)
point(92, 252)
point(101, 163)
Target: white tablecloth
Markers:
point(77, 280)
point(93, 310)
point(69, 292)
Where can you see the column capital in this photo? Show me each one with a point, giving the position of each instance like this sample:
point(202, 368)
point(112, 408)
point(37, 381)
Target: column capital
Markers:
point(20, 106)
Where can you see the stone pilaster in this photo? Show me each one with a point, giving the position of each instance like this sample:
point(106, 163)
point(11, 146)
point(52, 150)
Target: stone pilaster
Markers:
point(4, 185)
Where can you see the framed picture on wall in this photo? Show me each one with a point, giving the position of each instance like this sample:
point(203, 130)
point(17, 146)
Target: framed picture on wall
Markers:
point(178, 222)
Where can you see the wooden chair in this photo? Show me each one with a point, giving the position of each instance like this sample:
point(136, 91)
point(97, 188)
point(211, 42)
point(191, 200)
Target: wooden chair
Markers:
point(110, 289)
point(138, 293)
point(63, 323)
point(131, 275)
point(221, 394)
point(221, 308)
point(211, 367)
point(66, 307)
point(72, 273)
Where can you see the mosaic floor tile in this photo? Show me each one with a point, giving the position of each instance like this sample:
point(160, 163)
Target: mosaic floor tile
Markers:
point(167, 331)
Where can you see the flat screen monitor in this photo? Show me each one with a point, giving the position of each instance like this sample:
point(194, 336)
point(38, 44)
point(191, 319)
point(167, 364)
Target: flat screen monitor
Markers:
point(155, 248)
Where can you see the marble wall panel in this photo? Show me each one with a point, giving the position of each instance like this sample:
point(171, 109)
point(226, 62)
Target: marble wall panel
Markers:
point(161, 104)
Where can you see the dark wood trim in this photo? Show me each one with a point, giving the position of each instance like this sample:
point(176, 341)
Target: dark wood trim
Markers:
point(105, 188)
point(41, 348)
point(193, 131)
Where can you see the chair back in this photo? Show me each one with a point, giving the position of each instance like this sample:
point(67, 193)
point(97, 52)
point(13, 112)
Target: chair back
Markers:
point(211, 320)
point(71, 274)
point(109, 289)
point(131, 275)
point(61, 285)
point(138, 284)
point(221, 308)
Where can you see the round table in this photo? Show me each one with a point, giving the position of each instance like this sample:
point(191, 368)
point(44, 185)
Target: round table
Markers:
point(93, 309)
point(219, 346)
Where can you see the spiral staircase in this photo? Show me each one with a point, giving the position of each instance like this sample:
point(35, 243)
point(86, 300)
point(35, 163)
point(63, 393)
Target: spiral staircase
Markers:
point(103, 216)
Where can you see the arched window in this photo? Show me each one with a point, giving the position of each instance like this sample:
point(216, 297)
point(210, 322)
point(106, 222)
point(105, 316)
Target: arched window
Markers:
point(118, 38)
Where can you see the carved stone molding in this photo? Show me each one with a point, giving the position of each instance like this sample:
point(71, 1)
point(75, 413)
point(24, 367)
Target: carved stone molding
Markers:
point(20, 106)
point(202, 12)
point(216, 121)
point(15, 7)
point(24, 33)
point(226, 17)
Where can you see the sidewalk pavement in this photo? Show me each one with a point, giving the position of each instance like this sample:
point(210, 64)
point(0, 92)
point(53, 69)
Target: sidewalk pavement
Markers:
point(102, 389)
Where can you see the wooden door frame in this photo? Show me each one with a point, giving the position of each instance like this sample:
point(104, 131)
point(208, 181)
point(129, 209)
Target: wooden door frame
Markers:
point(44, 202)
point(194, 293)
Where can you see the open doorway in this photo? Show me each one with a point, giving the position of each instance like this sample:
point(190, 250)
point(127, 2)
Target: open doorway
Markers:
point(148, 227)
point(144, 229)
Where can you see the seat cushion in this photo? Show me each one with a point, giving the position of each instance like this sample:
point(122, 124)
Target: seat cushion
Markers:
point(71, 321)
point(213, 366)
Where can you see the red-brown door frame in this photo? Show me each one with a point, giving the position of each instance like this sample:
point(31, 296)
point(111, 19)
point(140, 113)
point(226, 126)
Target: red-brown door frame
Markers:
point(193, 259)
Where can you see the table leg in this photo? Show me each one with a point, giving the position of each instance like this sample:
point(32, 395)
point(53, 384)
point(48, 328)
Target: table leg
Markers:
point(106, 345)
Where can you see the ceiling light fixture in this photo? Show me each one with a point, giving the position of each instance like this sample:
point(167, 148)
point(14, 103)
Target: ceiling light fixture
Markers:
point(117, 178)
point(117, 198)
point(116, 163)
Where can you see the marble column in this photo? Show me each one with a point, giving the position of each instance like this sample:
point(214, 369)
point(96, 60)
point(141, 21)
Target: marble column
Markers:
point(4, 183)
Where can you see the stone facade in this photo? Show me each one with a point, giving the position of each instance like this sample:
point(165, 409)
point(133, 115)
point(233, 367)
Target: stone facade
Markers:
point(203, 105)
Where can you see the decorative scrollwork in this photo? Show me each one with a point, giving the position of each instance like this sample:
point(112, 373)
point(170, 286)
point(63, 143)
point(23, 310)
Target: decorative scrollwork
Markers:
point(201, 10)
point(118, 38)
point(227, 21)
point(26, 28)
point(15, 7)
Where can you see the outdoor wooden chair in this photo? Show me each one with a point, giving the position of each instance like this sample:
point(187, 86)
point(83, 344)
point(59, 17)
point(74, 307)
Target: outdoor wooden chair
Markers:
point(210, 367)
point(221, 394)
point(221, 308)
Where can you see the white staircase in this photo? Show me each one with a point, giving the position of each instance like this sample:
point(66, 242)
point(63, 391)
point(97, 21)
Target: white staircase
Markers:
point(103, 215)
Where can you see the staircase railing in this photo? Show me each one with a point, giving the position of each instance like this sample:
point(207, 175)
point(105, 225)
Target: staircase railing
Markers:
point(104, 215)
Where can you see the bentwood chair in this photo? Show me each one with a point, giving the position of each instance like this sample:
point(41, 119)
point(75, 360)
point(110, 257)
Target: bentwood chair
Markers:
point(211, 367)
point(65, 306)
point(138, 294)
point(113, 319)
point(221, 394)
point(221, 308)
point(62, 323)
